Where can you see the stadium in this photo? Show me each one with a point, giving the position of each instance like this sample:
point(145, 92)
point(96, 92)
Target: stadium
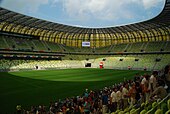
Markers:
point(52, 68)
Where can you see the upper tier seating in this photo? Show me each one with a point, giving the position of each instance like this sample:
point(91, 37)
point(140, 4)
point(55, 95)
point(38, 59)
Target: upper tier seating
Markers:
point(38, 45)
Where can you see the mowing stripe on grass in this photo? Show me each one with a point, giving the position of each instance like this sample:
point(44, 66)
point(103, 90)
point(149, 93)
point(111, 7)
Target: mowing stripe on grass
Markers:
point(41, 87)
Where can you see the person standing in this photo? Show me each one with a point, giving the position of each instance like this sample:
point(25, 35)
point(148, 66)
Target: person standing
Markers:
point(119, 99)
point(113, 99)
point(18, 108)
point(132, 94)
point(125, 96)
point(152, 82)
point(167, 76)
point(104, 102)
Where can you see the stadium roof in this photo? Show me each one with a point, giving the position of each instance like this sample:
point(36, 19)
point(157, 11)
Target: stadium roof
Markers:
point(155, 29)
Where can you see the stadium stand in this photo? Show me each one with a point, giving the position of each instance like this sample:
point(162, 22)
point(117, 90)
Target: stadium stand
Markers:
point(3, 43)
point(19, 44)
point(133, 47)
point(138, 62)
point(139, 46)
point(153, 30)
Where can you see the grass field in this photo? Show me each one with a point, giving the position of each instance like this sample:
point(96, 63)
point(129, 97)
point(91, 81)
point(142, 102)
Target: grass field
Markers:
point(30, 88)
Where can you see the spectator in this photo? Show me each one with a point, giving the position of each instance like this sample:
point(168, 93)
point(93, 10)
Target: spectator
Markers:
point(18, 108)
point(86, 107)
point(145, 87)
point(167, 76)
point(152, 82)
point(125, 96)
point(132, 94)
point(104, 102)
point(119, 98)
point(159, 93)
point(113, 99)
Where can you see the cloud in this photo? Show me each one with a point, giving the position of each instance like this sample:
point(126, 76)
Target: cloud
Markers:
point(151, 3)
point(108, 10)
point(24, 5)
point(98, 9)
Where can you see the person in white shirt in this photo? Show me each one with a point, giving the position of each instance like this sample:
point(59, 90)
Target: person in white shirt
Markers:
point(145, 87)
point(113, 99)
point(125, 96)
point(152, 83)
point(119, 98)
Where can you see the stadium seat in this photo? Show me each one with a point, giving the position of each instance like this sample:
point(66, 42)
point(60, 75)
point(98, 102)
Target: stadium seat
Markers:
point(127, 113)
point(143, 112)
point(132, 111)
point(168, 104)
point(149, 107)
point(117, 111)
point(121, 112)
point(126, 109)
point(154, 104)
point(164, 107)
point(143, 104)
point(158, 111)
point(151, 111)
point(167, 112)
point(135, 111)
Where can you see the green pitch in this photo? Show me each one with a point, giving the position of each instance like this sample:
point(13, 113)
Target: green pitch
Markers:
point(32, 88)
